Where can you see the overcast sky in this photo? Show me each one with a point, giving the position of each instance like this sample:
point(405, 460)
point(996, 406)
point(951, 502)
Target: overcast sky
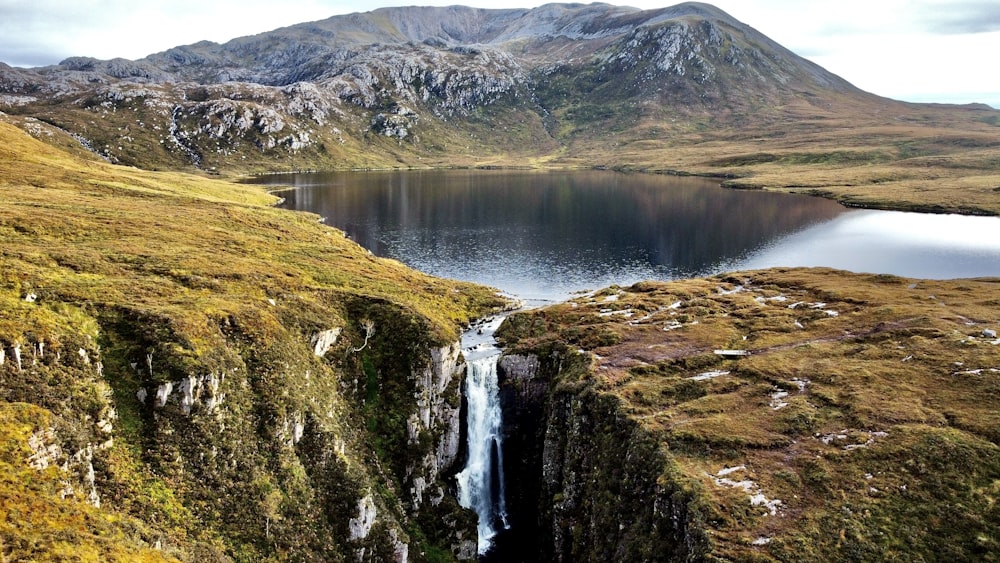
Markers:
point(916, 50)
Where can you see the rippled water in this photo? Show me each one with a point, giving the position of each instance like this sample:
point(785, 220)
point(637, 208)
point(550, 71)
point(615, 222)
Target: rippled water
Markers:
point(545, 235)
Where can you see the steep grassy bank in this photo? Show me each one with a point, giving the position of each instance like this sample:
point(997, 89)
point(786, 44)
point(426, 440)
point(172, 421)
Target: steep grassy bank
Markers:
point(190, 374)
point(861, 426)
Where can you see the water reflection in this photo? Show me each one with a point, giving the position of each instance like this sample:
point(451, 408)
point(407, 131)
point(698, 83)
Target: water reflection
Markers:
point(906, 244)
point(544, 235)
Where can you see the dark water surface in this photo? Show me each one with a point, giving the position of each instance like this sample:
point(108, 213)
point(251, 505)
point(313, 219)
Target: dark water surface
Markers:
point(544, 235)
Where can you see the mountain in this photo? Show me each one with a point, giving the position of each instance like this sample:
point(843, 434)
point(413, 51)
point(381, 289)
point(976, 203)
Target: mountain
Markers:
point(188, 373)
point(685, 88)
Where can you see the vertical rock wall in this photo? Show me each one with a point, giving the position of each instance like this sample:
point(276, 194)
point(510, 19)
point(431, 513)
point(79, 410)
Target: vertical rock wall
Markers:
point(591, 485)
point(268, 444)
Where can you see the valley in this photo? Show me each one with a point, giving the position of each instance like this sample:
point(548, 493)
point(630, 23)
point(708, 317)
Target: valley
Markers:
point(190, 373)
point(680, 90)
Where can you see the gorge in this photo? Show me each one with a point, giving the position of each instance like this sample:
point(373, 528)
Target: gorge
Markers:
point(189, 372)
point(546, 430)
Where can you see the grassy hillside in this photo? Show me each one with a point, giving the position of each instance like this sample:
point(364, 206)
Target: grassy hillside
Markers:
point(119, 285)
point(862, 151)
point(98, 232)
point(862, 426)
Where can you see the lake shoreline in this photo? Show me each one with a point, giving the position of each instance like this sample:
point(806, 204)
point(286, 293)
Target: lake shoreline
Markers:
point(727, 181)
point(559, 231)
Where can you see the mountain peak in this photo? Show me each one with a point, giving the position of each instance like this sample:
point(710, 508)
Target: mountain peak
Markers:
point(395, 72)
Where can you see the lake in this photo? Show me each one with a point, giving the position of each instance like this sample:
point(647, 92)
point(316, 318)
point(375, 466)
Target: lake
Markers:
point(543, 236)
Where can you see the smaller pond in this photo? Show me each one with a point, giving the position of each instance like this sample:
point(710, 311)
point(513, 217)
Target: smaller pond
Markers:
point(543, 236)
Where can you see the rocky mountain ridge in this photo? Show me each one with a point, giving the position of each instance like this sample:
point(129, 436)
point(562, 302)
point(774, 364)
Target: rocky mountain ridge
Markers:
point(321, 94)
point(318, 50)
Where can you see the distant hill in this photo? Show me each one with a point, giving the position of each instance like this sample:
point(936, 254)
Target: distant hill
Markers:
point(681, 88)
point(188, 373)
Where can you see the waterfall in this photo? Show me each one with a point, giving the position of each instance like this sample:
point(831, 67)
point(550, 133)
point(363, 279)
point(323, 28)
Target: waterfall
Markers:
point(481, 483)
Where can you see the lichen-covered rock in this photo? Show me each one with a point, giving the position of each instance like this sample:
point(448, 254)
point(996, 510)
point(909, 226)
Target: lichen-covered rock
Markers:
point(361, 524)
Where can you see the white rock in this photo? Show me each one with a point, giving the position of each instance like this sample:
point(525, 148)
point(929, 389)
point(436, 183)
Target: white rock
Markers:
point(45, 450)
point(746, 484)
point(189, 388)
point(776, 400)
point(162, 393)
point(728, 470)
point(323, 341)
point(298, 430)
point(760, 500)
point(362, 525)
point(400, 550)
point(708, 375)
point(211, 384)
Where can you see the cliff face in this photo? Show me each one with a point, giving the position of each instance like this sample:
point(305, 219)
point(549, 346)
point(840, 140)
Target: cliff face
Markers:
point(291, 397)
point(259, 448)
point(592, 485)
point(856, 423)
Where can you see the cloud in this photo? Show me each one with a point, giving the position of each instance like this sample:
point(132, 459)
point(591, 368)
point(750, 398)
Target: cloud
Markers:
point(954, 18)
point(43, 32)
point(25, 56)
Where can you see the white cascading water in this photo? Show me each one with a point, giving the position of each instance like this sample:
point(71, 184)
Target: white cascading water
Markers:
point(481, 482)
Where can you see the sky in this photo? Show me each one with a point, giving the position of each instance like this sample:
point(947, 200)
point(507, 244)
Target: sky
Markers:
point(913, 50)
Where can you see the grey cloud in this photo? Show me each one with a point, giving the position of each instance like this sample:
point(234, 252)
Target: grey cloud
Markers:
point(956, 18)
point(22, 55)
point(44, 32)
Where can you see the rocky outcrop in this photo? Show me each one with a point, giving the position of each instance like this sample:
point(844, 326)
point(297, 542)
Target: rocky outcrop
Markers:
point(438, 400)
point(306, 94)
point(324, 340)
point(191, 391)
point(260, 440)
